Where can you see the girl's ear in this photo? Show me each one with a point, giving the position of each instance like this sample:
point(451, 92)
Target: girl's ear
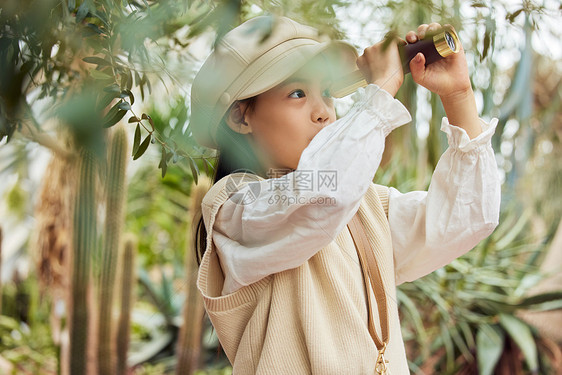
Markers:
point(235, 119)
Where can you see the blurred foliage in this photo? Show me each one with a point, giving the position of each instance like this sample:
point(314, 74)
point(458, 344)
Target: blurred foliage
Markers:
point(25, 337)
point(471, 304)
point(88, 56)
point(224, 371)
point(165, 202)
point(30, 350)
point(16, 198)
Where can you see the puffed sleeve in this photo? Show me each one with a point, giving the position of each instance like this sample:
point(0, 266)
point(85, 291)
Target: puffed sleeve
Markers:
point(461, 207)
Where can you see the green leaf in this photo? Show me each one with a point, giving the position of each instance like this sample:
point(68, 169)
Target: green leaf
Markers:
point(137, 78)
point(133, 119)
point(148, 84)
point(82, 12)
point(526, 283)
point(127, 93)
point(460, 343)
point(449, 347)
point(105, 100)
point(547, 306)
point(96, 60)
point(194, 170)
point(514, 230)
point(412, 309)
point(113, 88)
point(521, 334)
point(124, 106)
point(166, 291)
point(113, 116)
point(142, 148)
point(487, 40)
point(541, 298)
point(136, 140)
point(466, 329)
point(102, 16)
point(96, 74)
point(112, 111)
point(163, 162)
point(147, 117)
point(208, 163)
point(489, 347)
point(94, 28)
point(140, 83)
point(129, 83)
point(114, 120)
point(126, 78)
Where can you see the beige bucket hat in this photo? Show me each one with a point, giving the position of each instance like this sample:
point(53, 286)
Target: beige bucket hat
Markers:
point(253, 58)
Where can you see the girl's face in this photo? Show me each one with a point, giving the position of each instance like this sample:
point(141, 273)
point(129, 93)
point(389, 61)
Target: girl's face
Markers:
point(284, 119)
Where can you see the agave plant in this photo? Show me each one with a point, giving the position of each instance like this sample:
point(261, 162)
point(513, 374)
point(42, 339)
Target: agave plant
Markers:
point(472, 306)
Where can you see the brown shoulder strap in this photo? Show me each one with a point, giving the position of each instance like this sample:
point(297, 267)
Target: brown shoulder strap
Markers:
point(373, 279)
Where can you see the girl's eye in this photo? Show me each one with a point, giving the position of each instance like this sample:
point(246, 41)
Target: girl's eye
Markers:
point(297, 94)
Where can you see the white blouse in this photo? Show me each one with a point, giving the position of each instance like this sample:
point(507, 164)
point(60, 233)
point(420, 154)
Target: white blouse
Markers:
point(283, 221)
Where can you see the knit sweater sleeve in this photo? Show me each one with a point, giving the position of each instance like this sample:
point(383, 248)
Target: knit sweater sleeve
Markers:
point(277, 224)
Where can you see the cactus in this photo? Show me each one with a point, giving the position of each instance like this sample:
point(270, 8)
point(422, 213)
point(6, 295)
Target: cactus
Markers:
point(189, 340)
point(1, 294)
point(83, 242)
point(126, 297)
point(115, 194)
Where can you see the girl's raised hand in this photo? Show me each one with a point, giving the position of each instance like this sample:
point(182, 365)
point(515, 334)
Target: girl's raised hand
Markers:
point(447, 77)
point(381, 65)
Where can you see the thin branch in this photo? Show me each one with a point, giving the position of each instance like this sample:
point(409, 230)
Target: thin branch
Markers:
point(31, 133)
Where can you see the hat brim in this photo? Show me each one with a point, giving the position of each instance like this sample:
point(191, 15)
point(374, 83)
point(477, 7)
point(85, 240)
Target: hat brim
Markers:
point(340, 60)
point(276, 66)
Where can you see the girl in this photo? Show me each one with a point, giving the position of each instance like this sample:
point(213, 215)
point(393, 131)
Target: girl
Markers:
point(281, 277)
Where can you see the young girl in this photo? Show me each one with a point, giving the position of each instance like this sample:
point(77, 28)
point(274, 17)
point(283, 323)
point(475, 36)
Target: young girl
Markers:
point(281, 277)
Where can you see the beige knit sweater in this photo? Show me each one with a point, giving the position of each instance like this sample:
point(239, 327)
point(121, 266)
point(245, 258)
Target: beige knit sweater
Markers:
point(307, 320)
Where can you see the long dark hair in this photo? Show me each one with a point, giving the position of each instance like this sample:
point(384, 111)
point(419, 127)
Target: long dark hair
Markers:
point(235, 154)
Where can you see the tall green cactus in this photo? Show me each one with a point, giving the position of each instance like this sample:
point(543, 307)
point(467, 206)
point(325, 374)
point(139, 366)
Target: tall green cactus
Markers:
point(189, 340)
point(1, 294)
point(83, 242)
point(115, 194)
point(126, 298)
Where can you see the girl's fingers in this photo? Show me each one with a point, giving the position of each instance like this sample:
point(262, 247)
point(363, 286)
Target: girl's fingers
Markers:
point(425, 28)
point(411, 37)
point(421, 30)
point(433, 26)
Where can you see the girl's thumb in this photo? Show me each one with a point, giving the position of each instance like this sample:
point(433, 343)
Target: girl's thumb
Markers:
point(417, 66)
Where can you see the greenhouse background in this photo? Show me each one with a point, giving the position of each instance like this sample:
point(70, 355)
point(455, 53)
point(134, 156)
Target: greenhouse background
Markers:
point(91, 80)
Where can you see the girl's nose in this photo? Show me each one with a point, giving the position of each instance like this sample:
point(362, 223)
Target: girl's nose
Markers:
point(321, 111)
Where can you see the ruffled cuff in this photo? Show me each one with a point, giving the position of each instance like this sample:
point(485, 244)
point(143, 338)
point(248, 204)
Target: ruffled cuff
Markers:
point(380, 104)
point(459, 139)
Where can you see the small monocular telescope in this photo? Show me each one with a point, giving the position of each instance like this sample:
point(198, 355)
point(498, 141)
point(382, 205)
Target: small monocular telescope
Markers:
point(434, 46)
